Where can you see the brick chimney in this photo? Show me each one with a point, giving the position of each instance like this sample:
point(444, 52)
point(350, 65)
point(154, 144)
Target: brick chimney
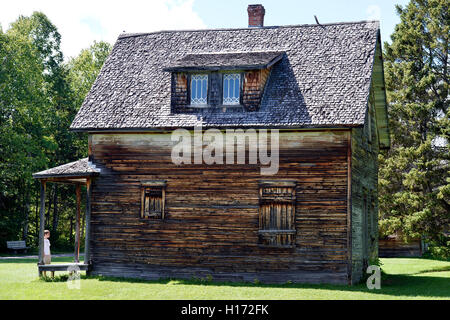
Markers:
point(255, 15)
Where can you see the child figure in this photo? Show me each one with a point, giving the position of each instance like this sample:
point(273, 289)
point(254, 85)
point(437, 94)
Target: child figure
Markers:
point(47, 255)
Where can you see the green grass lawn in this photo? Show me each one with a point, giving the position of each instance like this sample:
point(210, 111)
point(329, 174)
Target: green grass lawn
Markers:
point(406, 278)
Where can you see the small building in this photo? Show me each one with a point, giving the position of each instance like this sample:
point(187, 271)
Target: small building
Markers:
point(395, 246)
point(316, 90)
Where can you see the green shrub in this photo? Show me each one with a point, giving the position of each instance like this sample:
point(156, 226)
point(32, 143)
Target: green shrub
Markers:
point(438, 252)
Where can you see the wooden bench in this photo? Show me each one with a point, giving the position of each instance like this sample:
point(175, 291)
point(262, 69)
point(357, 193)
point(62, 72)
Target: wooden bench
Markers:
point(17, 245)
point(63, 267)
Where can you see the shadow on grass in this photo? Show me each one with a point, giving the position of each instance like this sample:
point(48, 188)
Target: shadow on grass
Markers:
point(436, 269)
point(394, 285)
point(416, 284)
point(59, 278)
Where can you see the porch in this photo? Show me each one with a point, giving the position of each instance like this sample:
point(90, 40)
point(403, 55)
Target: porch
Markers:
point(79, 173)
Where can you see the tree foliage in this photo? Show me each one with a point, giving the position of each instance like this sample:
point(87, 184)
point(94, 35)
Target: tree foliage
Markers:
point(414, 181)
point(40, 94)
point(24, 137)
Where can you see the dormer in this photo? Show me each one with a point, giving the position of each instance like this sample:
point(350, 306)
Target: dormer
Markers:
point(232, 80)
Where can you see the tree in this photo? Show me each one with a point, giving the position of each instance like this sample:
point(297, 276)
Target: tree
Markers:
point(81, 74)
point(83, 69)
point(46, 40)
point(24, 136)
point(414, 179)
point(39, 97)
point(64, 93)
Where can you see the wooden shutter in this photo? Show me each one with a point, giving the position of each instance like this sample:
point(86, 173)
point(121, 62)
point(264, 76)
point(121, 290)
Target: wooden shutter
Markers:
point(152, 199)
point(180, 95)
point(277, 214)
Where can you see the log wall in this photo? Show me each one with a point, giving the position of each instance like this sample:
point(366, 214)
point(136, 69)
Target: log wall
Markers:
point(211, 221)
point(364, 196)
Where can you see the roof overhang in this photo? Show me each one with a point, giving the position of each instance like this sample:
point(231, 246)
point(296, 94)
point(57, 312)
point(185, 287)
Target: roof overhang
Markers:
point(226, 61)
point(307, 127)
point(74, 172)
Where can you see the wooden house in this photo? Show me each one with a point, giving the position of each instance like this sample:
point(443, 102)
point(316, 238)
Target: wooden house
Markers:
point(315, 220)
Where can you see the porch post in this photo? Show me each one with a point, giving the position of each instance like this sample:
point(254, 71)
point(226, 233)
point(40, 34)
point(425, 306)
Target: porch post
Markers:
point(87, 249)
point(77, 225)
point(42, 225)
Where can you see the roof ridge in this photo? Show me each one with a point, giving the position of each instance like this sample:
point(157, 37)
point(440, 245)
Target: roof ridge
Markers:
point(139, 34)
point(234, 52)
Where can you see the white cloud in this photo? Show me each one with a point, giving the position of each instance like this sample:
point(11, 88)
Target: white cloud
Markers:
point(373, 12)
point(83, 21)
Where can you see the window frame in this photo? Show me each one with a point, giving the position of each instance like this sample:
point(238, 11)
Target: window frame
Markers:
point(215, 84)
point(208, 86)
point(154, 184)
point(240, 75)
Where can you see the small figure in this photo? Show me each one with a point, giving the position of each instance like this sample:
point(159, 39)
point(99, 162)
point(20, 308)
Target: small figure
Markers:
point(47, 254)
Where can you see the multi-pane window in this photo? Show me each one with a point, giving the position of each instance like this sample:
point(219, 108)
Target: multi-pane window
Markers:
point(152, 200)
point(199, 89)
point(277, 214)
point(231, 88)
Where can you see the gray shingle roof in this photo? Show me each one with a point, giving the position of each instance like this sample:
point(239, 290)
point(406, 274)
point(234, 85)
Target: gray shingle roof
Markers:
point(322, 80)
point(79, 168)
point(229, 61)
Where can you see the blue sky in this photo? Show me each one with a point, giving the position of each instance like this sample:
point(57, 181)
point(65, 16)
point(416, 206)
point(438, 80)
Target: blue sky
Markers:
point(232, 13)
point(83, 21)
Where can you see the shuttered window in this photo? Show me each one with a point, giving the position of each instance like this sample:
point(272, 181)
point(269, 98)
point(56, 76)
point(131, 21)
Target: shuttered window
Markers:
point(153, 199)
point(277, 214)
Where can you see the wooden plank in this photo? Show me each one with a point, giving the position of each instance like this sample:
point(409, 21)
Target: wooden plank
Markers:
point(349, 208)
point(42, 224)
point(63, 267)
point(87, 245)
point(16, 244)
point(77, 224)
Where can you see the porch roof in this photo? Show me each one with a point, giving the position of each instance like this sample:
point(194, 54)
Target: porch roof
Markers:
point(73, 172)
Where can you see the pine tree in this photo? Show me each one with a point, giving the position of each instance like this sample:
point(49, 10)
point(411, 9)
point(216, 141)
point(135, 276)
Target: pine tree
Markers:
point(414, 181)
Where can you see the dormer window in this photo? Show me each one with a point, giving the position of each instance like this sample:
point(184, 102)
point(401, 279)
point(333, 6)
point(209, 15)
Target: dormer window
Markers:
point(231, 88)
point(227, 80)
point(199, 89)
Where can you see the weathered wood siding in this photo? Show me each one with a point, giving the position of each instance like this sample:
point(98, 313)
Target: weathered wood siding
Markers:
point(179, 94)
point(253, 88)
point(389, 248)
point(212, 212)
point(364, 199)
